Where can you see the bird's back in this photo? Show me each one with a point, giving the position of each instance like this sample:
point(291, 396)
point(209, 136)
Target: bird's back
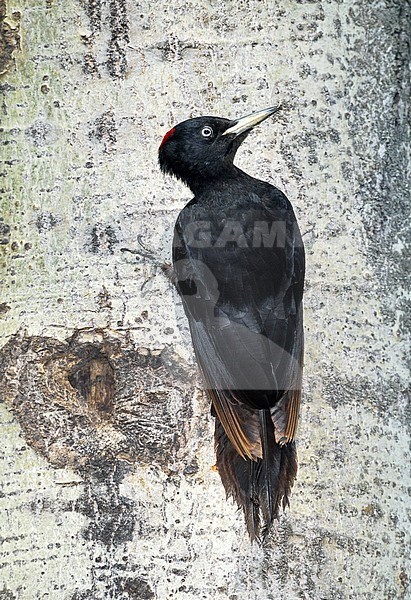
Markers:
point(240, 262)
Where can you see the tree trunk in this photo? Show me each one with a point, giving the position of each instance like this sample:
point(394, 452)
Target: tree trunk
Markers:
point(108, 485)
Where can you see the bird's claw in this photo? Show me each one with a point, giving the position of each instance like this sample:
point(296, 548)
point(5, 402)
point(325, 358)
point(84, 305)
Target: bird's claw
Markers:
point(166, 268)
point(138, 253)
point(145, 252)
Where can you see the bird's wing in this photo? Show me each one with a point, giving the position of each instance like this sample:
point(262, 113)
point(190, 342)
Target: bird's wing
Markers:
point(245, 315)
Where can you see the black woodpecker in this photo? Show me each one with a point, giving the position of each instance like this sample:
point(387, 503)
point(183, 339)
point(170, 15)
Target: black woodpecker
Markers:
point(238, 265)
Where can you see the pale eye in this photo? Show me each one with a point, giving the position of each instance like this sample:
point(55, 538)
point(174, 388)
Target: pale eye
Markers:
point(207, 131)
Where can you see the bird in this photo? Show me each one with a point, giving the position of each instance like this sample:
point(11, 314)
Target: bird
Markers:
point(238, 265)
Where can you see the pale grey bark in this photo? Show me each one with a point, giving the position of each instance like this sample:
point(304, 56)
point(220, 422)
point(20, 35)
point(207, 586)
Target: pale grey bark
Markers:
point(108, 490)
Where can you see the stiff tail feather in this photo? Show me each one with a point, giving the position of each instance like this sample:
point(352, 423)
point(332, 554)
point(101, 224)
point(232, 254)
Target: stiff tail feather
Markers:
point(259, 486)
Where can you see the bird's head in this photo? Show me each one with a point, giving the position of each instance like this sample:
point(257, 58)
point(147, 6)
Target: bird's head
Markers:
point(203, 149)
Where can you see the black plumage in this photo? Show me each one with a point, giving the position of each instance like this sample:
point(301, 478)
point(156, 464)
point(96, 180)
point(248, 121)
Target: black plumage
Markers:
point(238, 261)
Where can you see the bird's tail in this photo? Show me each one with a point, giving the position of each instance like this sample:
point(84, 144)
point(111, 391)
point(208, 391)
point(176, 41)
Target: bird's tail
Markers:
point(259, 486)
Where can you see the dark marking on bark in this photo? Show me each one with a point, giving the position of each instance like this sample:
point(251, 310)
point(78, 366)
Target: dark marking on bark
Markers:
point(111, 516)
point(4, 233)
point(104, 130)
point(5, 594)
point(174, 49)
point(103, 239)
point(46, 221)
point(116, 51)
point(373, 511)
point(41, 133)
point(96, 406)
point(137, 588)
point(125, 587)
point(118, 33)
point(9, 37)
point(192, 468)
point(84, 595)
point(4, 308)
point(90, 66)
point(391, 398)
point(404, 581)
point(103, 299)
point(93, 9)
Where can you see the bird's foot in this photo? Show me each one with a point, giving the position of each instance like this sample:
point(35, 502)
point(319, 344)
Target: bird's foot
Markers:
point(144, 252)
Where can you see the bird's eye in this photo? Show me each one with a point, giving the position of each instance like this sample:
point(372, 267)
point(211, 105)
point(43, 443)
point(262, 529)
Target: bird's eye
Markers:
point(207, 131)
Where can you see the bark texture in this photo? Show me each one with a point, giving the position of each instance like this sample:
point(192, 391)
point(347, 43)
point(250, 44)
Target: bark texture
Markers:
point(106, 460)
